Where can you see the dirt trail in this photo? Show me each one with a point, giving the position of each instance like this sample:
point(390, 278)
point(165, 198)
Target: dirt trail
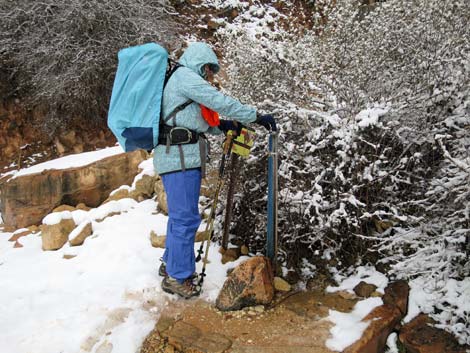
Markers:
point(297, 324)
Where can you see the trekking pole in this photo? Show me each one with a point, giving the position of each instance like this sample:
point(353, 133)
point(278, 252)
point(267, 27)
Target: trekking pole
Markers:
point(272, 236)
point(210, 223)
point(234, 159)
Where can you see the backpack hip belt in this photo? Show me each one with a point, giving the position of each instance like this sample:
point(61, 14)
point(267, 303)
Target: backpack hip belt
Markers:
point(177, 135)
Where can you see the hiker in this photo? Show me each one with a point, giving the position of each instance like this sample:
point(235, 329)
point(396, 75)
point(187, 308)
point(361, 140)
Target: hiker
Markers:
point(181, 166)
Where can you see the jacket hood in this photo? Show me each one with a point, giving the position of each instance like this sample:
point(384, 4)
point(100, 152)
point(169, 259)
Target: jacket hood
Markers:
point(197, 55)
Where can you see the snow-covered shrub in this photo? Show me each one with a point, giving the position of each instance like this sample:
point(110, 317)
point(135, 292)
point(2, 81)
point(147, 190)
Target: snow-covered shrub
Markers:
point(61, 55)
point(380, 171)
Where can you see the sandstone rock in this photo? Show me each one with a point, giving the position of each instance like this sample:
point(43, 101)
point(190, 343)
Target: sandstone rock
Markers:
point(397, 294)
point(68, 257)
point(144, 187)
point(281, 285)
point(188, 338)
point(19, 234)
point(251, 283)
point(419, 336)
point(68, 138)
point(364, 289)
point(78, 148)
point(244, 250)
point(118, 195)
point(33, 229)
point(161, 196)
point(383, 320)
point(62, 208)
point(56, 235)
point(200, 236)
point(60, 148)
point(80, 233)
point(230, 255)
point(17, 244)
point(158, 241)
point(27, 199)
point(83, 207)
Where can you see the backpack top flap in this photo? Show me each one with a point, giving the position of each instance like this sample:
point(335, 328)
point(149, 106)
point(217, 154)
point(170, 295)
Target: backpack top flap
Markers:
point(134, 110)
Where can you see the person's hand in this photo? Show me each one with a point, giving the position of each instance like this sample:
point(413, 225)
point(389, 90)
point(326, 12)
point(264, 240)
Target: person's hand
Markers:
point(226, 125)
point(267, 121)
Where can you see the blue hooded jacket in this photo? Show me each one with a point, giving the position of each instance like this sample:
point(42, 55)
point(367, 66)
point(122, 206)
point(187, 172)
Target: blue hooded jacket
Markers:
point(188, 83)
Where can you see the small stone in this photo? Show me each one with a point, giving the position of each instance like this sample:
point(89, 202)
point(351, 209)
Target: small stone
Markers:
point(68, 257)
point(83, 207)
point(364, 289)
point(244, 250)
point(158, 241)
point(281, 285)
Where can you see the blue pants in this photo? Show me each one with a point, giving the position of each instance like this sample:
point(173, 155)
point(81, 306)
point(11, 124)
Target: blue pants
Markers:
point(182, 195)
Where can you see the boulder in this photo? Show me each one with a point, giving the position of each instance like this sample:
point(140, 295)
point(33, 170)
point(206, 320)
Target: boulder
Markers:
point(419, 336)
point(25, 200)
point(79, 234)
point(364, 289)
point(56, 235)
point(249, 284)
point(383, 320)
point(161, 196)
point(396, 294)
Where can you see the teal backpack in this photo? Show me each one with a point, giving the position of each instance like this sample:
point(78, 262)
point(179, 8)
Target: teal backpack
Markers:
point(134, 110)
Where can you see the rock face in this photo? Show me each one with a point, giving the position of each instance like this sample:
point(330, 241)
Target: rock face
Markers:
point(383, 320)
point(251, 283)
point(56, 235)
point(418, 336)
point(25, 200)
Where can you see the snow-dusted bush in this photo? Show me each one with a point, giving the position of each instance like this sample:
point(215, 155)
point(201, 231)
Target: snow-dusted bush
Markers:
point(61, 55)
point(380, 171)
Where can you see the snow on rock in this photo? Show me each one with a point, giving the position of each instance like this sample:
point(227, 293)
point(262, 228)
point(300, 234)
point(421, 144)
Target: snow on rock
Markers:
point(367, 274)
point(349, 327)
point(70, 161)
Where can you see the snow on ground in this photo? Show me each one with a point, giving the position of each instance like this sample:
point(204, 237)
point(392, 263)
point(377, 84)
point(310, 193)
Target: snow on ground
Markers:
point(70, 161)
point(109, 294)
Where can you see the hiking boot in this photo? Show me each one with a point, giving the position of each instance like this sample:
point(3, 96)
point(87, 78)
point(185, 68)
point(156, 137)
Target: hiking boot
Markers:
point(187, 289)
point(162, 271)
